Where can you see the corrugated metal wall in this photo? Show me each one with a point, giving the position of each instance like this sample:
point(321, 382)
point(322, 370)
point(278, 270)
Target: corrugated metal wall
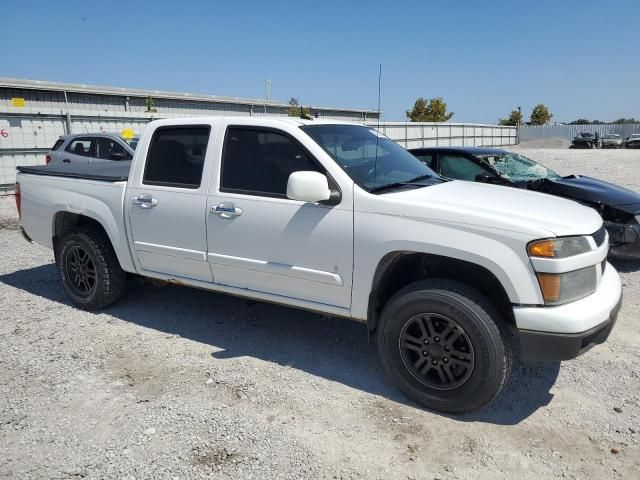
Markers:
point(34, 114)
point(536, 132)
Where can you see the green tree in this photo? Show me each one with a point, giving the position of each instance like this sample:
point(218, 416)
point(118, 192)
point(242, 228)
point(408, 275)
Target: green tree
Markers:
point(150, 103)
point(297, 110)
point(435, 110)
point(515, 118)
point(540, 115)
point(580, 121)
point(626, 120)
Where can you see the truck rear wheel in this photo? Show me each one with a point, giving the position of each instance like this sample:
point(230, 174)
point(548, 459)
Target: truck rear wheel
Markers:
point(444, 346)
point(89, 269)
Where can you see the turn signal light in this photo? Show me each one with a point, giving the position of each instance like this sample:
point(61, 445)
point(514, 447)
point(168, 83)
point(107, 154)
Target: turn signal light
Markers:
point(543, 248)
point(550, 286)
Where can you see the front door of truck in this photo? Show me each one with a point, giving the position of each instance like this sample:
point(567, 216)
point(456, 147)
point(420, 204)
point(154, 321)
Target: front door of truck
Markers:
point(167, 203)
point(260, 240)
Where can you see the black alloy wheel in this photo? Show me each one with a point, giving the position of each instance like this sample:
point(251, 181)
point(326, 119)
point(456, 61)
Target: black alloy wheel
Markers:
point(80, 271)
point(437, 351)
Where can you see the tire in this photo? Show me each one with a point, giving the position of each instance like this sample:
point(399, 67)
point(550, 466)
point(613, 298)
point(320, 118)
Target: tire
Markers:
point(441, 304)
point(89, 269)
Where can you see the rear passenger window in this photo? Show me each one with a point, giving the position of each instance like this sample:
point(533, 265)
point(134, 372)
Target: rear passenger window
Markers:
point(259, 162)
point(56, 145)
point(80, 146)
point(176, 156)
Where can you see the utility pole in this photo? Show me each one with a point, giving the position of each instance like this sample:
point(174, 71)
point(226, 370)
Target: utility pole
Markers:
point(268, 85)
point(518, 125)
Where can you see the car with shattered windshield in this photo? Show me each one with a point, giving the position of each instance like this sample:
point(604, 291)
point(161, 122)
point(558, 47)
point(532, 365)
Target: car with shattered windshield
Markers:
point(618, 206)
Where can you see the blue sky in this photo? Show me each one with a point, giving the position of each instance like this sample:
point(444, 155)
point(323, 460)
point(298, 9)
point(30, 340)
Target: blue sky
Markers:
point(581, 58)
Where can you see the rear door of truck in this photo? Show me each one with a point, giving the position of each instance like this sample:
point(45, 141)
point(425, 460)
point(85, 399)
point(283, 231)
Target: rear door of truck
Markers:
point(167, 201)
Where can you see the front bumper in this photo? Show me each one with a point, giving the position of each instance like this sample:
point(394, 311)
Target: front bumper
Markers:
point(567, 331)
point(624, 239)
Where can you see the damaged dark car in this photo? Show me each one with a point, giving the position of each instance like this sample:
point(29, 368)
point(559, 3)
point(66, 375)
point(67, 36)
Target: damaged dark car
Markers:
point(618, 206)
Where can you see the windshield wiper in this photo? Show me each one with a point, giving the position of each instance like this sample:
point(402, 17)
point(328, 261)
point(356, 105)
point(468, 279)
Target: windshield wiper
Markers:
point(411, 182)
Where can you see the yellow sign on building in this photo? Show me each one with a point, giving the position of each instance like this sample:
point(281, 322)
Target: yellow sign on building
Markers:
point(127, 134)
point(18, 102)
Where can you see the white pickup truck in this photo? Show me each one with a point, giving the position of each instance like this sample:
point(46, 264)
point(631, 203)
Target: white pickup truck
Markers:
point(451, 277)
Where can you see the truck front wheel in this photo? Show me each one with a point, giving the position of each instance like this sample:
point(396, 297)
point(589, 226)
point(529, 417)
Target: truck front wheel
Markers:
point(444, 346)
point(89, 269)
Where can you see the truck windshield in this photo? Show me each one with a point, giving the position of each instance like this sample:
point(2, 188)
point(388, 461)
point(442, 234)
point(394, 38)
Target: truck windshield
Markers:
point(517, 168)
point(354, 148)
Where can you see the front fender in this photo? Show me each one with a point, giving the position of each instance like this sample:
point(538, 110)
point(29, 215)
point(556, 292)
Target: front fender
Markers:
point(501, 253)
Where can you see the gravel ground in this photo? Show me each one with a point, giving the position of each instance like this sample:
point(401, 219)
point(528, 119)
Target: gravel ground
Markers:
point(179, 383)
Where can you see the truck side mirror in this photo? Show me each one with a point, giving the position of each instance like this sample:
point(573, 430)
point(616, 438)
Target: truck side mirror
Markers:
point(308, 186)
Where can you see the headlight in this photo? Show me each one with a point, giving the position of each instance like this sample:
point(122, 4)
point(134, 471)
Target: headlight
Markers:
point(559, 288)
point(559, 247)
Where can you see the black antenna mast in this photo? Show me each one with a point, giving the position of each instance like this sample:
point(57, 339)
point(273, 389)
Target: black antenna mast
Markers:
point(375, 165)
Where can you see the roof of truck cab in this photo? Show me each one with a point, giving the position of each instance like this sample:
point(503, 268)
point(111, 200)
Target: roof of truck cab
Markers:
point(471, 150)
point(256, 119)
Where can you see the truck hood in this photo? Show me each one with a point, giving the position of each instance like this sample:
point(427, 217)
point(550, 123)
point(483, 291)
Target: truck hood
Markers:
point(497, 207)
point(592, 190)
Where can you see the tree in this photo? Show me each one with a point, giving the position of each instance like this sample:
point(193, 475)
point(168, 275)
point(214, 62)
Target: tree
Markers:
point(150, 103)
point(515, 119)
point(580, 121)
point(434, 111)
point(626, 120)
point(540, 115)
point(297, 110)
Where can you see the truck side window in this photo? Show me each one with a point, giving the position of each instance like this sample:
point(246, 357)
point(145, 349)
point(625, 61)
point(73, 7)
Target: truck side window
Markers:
point(258, 161)
point(176, 156)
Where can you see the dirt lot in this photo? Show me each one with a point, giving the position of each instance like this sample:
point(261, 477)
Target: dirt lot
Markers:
point(179, 383)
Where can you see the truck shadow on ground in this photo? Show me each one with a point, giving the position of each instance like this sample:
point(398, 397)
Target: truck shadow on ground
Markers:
point(332, 348)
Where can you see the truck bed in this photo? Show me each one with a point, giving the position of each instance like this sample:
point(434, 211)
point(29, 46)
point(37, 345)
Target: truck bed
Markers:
point(104, 172)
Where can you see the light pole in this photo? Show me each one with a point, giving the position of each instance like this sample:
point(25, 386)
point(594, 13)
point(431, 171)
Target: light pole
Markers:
point(518, 125)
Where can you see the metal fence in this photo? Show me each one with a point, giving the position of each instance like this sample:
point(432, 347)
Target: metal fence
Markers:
point(418, 134)
point(537, 132)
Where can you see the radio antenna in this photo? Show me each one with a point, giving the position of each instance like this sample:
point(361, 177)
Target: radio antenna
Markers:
point(375, 165)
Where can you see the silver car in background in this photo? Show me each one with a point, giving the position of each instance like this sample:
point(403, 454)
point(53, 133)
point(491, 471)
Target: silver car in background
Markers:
point(611, 140)
point(89, 148)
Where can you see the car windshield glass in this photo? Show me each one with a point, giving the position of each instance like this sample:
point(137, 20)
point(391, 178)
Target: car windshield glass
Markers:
point(517, 168)
point(371, 159)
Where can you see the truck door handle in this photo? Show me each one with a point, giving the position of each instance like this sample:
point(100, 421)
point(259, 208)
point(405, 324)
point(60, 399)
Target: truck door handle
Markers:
point(226, 210)
point(66, 160)
point(145, 200)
